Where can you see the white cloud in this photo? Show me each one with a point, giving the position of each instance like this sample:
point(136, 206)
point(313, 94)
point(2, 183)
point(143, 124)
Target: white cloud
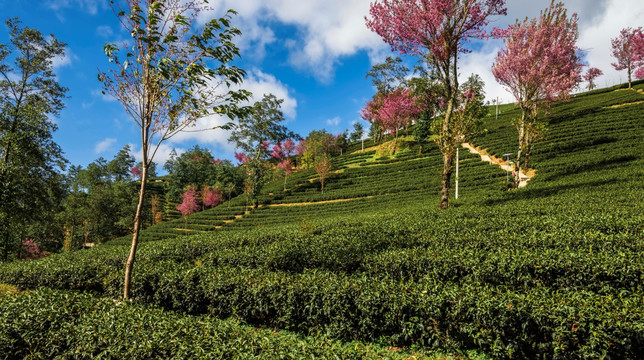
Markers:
point(205, 131)
point(104, 145)
point(326, 30)
point(105, 97)
point(104, 31)
point(89, 6)
point(334, 121)
point(261, 84)
point(162, 155)
point(64, 60)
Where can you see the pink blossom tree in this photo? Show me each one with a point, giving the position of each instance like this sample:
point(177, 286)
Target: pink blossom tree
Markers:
point(282, 152)
point(210, 197)
point(135, 172)
point(590, 76)
point(436, 31)
point(190, 203)
point(539, 64)
point(397, 110)
point(31, 250)
point(628, 50)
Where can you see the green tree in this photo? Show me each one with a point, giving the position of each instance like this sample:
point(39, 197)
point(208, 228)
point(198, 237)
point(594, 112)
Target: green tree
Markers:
point(254, 134)
point(173, 72)
point(358, 132)
point(30, 160)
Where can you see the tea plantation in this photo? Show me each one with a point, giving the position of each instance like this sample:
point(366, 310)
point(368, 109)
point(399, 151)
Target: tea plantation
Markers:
point(371, 268)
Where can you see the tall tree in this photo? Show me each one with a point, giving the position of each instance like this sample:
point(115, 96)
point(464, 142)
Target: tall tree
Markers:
point(30, 160)
point(435, 31)
point(628, 50)
point(388, 76)
point(172, 72)
point(590, 76)
point(539, 64)
point(254, 133)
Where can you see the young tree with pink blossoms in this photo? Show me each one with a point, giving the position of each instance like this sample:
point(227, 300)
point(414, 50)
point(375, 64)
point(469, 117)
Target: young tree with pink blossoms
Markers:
point(436, 31)
point(398, 108)
point(539, 64)
point(210, 197)
point(282, 152)
point(590, 76)
point(190, 203)
point(628, 50)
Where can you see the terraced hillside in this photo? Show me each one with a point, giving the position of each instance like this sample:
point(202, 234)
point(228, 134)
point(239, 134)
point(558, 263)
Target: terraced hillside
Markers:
point(371, 268)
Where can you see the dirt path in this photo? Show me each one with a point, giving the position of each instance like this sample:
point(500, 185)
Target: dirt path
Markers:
point(525, 177)
point(319, 202)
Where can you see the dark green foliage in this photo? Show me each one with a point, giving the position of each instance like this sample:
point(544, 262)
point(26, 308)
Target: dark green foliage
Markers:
point(79, 326)
point(30, 160)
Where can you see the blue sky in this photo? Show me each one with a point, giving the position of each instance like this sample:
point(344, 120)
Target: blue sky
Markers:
point(312, 53)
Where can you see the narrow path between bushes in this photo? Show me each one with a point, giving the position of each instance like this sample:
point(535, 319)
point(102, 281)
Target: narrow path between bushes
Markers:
point(525, 176)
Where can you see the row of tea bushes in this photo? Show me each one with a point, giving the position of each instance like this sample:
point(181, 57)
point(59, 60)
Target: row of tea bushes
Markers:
point(534, 322)
point(69, 325)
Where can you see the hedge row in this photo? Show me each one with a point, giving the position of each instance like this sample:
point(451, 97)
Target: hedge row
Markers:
point(67, 325)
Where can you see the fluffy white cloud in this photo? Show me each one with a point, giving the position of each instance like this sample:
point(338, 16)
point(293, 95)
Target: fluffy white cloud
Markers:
point(205, 131)
point(261, 84)
point(326, 30)
point(162, 155)
point(333, 122)
point(104, 145)
point(64, 60)
point(89, 6)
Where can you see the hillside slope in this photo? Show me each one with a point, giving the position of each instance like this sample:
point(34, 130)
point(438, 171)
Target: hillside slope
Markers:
point(555, 269)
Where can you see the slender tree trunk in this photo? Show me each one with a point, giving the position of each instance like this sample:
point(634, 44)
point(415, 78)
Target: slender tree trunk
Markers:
point(629, 76)
point(393, 151)
point(5, 247)
point(448, 161)
point(522, 145)
point(285, 177)
point(526, 158)
point(135, 237)
point(447, 148)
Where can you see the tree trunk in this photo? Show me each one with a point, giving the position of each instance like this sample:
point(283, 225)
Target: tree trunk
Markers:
point(5, 247)
point(526, 158)
point(448, 161)
point(522, 145)
point(447, 148)
point(393, 151)
point(135, 237)
point(137, 218)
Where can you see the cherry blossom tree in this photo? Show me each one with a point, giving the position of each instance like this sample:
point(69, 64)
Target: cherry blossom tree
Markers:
point(539, 64)
point(190, 203)
point(173, 71)
point(210, 197)
point(396, 111)
point(435, 31)
point(135, 172)
point(628, 50)
point(282, 152)
point(590, 76)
